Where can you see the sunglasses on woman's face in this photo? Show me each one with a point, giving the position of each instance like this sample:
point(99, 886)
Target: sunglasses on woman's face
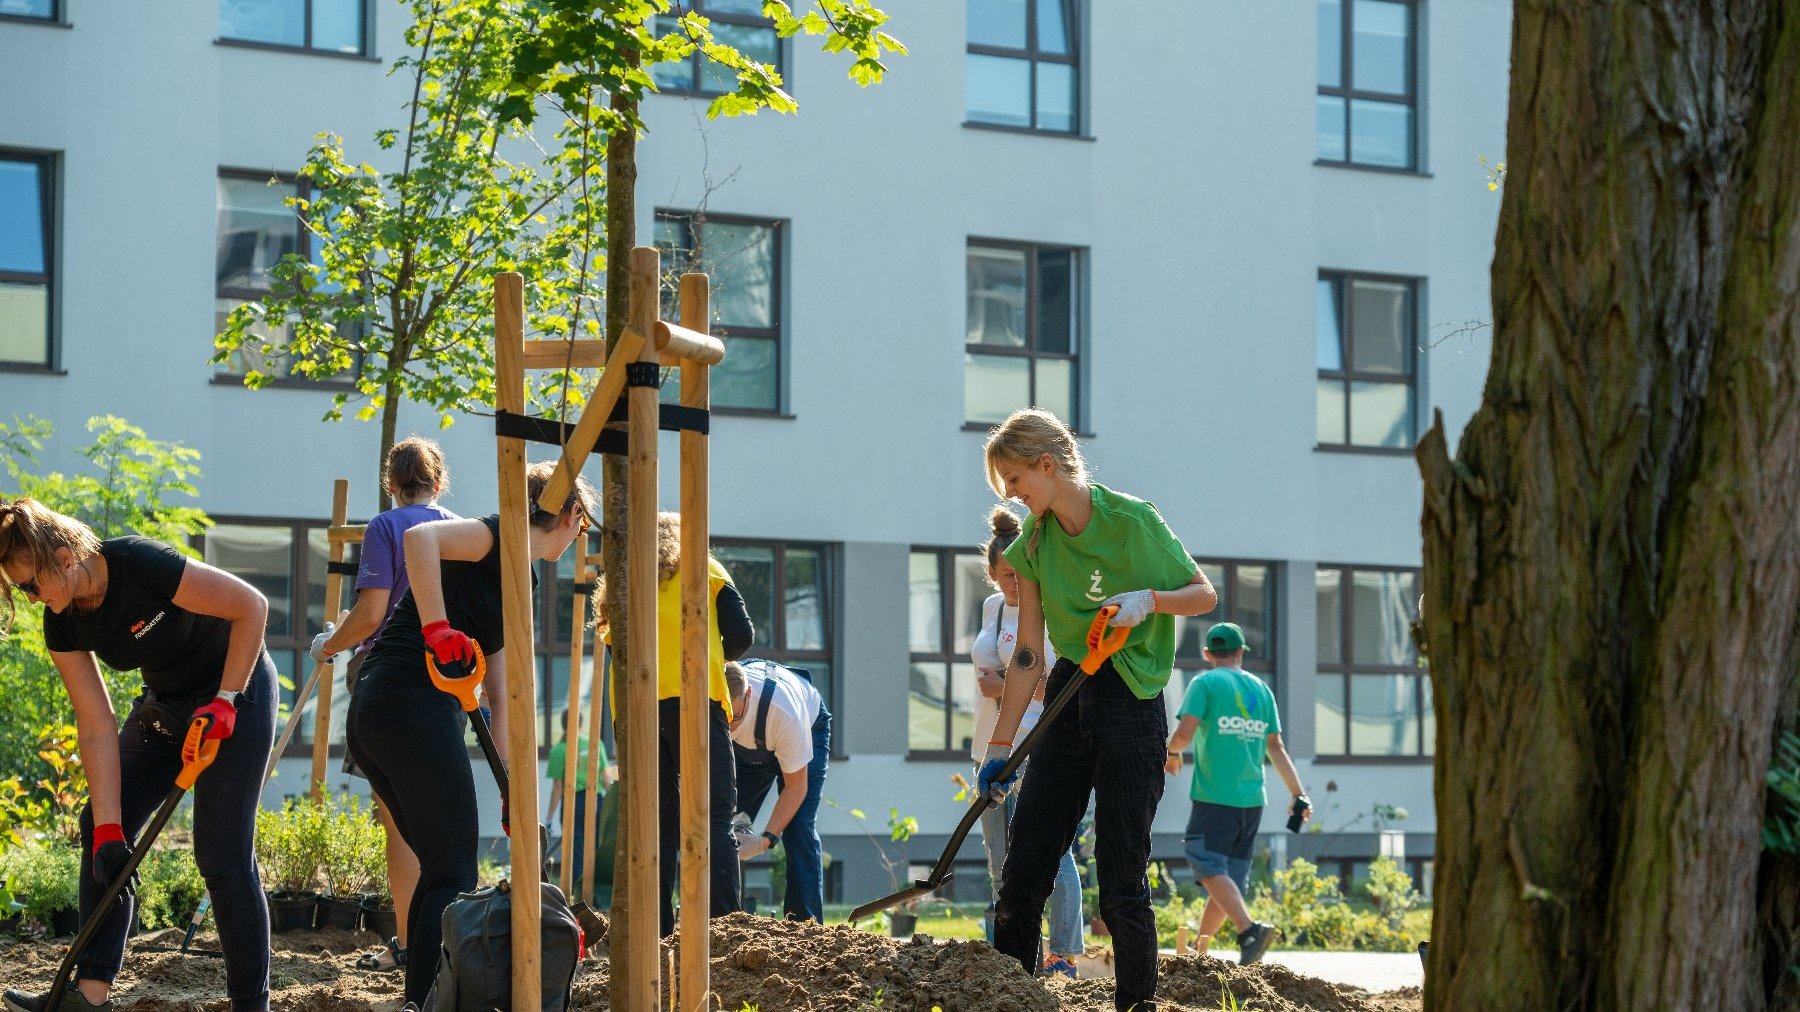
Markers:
point(29, 587)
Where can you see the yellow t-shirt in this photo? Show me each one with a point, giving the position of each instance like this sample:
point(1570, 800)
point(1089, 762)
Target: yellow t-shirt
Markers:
point(668, 638)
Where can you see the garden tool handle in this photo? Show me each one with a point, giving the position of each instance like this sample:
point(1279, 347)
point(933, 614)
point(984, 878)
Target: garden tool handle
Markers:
point(1102, 640)
point(463, 687)
point(197, 752)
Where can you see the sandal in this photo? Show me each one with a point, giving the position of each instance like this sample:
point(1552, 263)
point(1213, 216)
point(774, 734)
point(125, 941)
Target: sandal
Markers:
point(389, 957)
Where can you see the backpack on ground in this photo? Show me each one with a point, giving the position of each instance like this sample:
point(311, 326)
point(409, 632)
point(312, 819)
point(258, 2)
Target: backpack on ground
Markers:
point(475, 968)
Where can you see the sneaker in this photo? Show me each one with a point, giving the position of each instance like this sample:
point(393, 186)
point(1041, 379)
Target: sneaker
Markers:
point(1060, 965)
point(72, 1001)
point(1254, 941)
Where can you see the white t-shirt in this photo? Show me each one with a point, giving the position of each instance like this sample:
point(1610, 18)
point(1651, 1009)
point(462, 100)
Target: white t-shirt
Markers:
point(793, 707)
point(994, 645)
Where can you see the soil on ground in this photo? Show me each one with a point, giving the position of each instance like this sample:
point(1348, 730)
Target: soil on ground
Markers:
point(762, 964)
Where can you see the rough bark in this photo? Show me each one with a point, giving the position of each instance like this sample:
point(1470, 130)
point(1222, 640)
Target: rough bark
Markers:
point(621, 236)
point(1612, 559)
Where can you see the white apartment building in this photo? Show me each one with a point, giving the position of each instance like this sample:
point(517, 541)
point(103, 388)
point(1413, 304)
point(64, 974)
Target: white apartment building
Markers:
point(1244, 247)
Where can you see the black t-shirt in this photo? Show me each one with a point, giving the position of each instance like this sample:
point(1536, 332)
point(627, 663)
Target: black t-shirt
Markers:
point(138, 626)
point(472, 604)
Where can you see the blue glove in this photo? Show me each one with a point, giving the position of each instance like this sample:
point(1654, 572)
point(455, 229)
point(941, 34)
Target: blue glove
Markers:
point(988, 781)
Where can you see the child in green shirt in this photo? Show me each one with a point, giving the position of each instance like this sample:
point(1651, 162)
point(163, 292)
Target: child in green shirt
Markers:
point(1084, 547)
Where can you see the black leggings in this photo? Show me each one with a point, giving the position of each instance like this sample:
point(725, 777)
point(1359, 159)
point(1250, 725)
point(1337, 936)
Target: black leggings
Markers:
point(226, 798)
point(409, 742)
point(723, 785)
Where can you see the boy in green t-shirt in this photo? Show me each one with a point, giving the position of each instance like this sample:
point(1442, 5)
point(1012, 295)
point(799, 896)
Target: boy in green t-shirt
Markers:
point(1234, 713)
point(573, 846)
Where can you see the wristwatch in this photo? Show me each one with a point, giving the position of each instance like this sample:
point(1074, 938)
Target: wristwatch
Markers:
point(230, 696)
point(770, 838)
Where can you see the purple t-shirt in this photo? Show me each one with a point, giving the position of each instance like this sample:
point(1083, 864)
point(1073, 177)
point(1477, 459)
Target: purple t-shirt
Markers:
point(384, 554)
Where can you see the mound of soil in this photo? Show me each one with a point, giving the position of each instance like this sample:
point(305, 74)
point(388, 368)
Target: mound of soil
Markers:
point(773, 966)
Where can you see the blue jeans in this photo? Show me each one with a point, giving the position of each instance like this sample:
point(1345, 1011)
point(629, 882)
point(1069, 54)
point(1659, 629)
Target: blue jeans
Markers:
point(1065, 897)
point(805, 896)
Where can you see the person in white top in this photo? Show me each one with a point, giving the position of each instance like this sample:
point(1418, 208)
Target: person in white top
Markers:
point(781, 737)
point(993, 648)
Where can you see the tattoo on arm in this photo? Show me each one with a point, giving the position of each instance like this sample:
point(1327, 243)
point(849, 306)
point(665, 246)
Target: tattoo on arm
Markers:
point(1025, 659)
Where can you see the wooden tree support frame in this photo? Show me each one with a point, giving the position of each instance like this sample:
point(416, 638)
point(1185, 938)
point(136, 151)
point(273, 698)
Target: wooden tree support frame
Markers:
point(652, 341)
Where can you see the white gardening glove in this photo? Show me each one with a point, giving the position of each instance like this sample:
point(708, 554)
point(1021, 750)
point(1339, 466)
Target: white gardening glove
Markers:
point(319, 655)
point(750, 844)
point(1134, 606)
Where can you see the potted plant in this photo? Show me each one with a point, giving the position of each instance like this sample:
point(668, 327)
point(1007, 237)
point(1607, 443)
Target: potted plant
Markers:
point(169, 888)
point(350, 831)
point(289, 845)
point(45, 876)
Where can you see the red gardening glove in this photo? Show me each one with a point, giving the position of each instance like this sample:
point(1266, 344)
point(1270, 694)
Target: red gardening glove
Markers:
point(224, 718)
point(505, 818)
point(448, 644)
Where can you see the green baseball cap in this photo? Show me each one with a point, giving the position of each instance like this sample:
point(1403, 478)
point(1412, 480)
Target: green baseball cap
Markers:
point(1225, 638)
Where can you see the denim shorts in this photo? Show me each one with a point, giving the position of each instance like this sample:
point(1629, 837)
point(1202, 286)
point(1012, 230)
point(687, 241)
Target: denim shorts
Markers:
point(1220, 840)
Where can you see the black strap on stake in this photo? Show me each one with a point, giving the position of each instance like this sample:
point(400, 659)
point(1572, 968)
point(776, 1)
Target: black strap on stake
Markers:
point(342, 568)
point(643, 374)
point(585, 587)
point(672, 418)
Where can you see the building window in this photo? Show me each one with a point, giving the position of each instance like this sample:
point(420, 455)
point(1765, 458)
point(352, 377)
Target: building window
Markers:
point(1247, 595)
point(332, 26)
point(1023, 68)
point(1368, 83)
point(742, 256)
point(33, 10)
point(1022, 343)
point(736, 23)
point(787, 587)
point(1367, 361)
point(1373, 697)
point(946, 589)
point(256, 229)
point(27, 257)
point(286, 560)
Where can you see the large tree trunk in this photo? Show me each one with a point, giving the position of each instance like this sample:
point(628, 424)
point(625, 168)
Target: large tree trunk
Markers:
point(621, 236)
point(1612, 561)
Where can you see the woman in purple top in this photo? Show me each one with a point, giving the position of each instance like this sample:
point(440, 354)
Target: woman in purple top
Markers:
point(415, 476)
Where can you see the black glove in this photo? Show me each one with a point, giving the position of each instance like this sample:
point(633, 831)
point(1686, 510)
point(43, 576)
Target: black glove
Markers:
point(112, 852)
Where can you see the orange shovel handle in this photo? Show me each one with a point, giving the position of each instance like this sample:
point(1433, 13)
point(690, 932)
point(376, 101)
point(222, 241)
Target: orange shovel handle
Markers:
point(197, 752)
point(463, 687)
point(1103, 640)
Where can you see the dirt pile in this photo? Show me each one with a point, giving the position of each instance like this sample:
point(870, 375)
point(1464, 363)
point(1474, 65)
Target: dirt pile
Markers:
point(768, 965)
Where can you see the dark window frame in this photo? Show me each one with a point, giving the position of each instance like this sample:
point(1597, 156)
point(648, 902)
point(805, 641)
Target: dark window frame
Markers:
point(694, 222)
point(303, 248)
point(946, 656)
point(365, 51)
point(1269, 664)
point(53, 19)
point(830, 565)
point(49, 197)
point(1345, 280)
point(696, 68)
point(1346, 666)
point(1031, 352)
point(1346, 90)
point(1033, 56)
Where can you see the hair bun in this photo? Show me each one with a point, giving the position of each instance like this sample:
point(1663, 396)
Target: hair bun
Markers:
point(1003, 522)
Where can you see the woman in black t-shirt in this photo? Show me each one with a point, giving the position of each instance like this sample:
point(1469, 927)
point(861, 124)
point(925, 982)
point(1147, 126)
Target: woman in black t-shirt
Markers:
point(407, 735)
point(195, 633)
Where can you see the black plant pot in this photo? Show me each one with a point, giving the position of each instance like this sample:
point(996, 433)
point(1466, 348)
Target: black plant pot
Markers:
point(66, 921)
point(340, 913)
point(380, 919)
point(902, 923)
point(291, 911)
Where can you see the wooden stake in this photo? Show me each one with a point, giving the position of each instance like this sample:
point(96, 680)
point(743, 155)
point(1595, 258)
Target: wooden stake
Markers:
point(593, 418)
point(572, 724)
point(521, 681)
point(696, 740)
point(638, 763)
point(334, 589)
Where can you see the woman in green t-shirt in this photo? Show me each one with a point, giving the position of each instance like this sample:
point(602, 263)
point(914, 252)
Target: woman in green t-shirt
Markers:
point(1084, 547)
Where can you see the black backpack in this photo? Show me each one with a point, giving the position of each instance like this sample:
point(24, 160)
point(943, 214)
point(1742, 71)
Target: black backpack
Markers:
point(475, 969)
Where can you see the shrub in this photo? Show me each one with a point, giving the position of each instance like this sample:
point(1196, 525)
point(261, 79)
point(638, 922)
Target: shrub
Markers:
point(169, 889)
point(291, 843)
point(44, 876)
point(353, 855)
point(1391, 889)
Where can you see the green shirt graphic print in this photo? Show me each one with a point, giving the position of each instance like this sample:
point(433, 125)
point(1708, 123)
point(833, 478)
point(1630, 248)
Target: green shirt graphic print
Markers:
point(1237, 714)
point(1125, 546)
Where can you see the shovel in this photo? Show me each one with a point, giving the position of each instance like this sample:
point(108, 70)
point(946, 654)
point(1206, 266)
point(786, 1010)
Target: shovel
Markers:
point(1102, 643)
point(197, 753)
point(463, 686)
